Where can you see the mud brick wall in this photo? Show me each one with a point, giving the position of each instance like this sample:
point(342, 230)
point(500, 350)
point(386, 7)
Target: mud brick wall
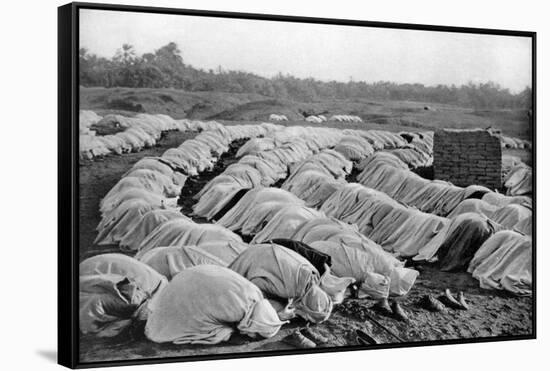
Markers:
point(466, 157)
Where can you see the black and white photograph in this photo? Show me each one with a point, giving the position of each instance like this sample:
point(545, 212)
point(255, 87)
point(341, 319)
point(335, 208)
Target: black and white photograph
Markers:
point(252, 186)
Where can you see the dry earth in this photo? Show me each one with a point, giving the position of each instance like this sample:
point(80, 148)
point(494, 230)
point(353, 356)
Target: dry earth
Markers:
point(219, 106)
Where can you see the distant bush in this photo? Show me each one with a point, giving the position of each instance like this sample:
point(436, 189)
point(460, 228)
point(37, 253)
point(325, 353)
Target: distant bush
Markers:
point(165, 69)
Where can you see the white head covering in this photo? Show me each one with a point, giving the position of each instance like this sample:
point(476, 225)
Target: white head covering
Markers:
point(335, 286)
point(261, 319)
point(315, 306)
point(375, 286)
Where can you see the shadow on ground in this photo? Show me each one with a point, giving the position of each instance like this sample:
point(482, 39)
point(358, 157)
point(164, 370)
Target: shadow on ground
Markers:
point(49, 355)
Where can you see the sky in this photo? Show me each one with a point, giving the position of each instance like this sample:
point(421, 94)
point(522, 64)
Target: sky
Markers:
point(324, 52)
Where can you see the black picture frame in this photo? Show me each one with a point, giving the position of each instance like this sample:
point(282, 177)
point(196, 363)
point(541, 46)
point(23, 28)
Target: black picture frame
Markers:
point(68, 178)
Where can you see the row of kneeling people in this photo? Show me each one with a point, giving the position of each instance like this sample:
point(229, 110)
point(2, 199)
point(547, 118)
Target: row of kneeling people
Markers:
point(405, 231)
point(352, 212)
point(168, 242)
point(401, 230)
point(201, 294)
point(262, 161)
point(499, 259)
point(452, 241)
point(129, 134)
point(132, 134)
point(316, 119)
point(346, 118)
point(155, 182)
point(313, 180)
point(388, 174)
point(415, 149)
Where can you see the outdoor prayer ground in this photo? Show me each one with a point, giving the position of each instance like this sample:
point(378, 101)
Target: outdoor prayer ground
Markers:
point(363, 169)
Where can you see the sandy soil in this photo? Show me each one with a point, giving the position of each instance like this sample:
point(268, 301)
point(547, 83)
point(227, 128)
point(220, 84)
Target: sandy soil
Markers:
point(491, 313)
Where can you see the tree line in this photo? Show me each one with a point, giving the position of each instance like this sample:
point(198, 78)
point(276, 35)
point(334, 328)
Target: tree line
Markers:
point(165, 68)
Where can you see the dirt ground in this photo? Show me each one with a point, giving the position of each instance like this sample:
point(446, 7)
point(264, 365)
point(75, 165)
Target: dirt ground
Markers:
point(491, 313)
point(220, 106)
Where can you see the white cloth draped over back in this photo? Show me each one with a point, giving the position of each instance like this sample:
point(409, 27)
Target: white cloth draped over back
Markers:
point(206, 304)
